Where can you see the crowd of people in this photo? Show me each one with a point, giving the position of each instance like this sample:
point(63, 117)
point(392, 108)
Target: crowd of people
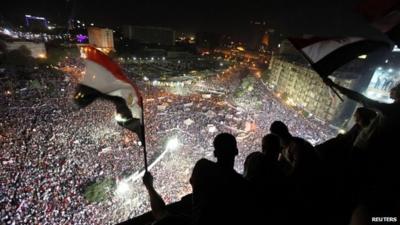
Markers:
point(50, 151)
point(290, 181)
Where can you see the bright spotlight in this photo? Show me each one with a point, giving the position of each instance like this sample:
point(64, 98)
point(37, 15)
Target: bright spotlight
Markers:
point(172, 143)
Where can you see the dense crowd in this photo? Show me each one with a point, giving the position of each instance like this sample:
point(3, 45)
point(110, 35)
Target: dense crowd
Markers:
point(50, 151)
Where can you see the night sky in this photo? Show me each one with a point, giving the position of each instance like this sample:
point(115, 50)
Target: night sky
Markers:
point(324, 17)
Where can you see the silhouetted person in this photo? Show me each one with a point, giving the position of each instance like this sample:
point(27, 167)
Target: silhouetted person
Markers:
point(363, 118)
point(264, 172)
point(280, 129)
point(253, 168)
point(379, 189)
point(271, 146)
point(306, 197)
point(219, 192)
point(341, 164)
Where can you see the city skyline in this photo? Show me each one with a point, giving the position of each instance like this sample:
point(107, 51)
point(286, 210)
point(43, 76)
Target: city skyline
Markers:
point(288, 17)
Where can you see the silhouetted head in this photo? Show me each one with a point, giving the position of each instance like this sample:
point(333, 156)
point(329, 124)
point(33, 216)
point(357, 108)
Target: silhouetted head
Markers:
point(253, 164)
point(271, 146)
point(300, 153)
point(225, 149)
point(364, 116)
point(281, 130)
point(395, 93)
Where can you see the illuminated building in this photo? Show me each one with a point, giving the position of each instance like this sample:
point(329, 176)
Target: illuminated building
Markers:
point(149, 35)
point(101, 38)
point(299, 85)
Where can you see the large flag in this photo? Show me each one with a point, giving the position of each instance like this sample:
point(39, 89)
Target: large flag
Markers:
point(383, 15)
point(328, 54)
point(103, 78)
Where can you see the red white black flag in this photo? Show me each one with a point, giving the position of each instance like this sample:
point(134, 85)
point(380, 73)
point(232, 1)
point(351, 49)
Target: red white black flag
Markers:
point(103, 78)
point(328, 54)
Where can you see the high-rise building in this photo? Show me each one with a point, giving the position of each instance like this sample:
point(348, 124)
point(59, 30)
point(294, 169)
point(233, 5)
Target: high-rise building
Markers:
point(149, 35)
point(299, 85)
point(101, 38)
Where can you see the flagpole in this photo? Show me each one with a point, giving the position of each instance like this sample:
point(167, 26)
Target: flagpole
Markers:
point(337, 94)
point(144, 137)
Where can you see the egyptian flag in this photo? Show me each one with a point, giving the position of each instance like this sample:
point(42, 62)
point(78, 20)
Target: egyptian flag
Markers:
point(328, 54)
point(103, 78)
point(384, 15)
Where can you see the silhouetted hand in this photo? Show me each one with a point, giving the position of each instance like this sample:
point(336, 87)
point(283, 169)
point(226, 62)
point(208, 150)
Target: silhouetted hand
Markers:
point(148, 179)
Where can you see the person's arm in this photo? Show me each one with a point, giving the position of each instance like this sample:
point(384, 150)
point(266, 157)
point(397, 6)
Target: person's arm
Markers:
point(157, 204)
point(354, 95)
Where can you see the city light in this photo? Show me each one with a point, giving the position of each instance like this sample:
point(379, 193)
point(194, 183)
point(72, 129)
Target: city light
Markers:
point(362, 56)
point(240, 48)
point(42, 56)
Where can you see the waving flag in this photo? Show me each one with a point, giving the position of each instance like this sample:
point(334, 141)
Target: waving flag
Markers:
point(384, 15)
point(327, 54)
point(103, 78)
